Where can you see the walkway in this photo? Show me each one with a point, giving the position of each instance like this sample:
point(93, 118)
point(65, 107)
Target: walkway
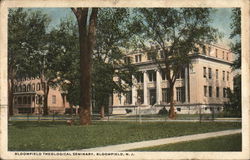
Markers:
point(150, 143)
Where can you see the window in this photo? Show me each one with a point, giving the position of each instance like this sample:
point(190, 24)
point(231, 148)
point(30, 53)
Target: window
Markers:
point(209, 50)
point(137, 58)
point(181, 75)
point(178, 109)
point(24, 100)
point(204, 50)
point(20, 88)
point(152, 76)
point(227, 76)
point(139, 78)
point(209, 73)
point(163, 75)
point(38, 86)
point(223, 54)
point(149, 56)
point(33, 87)
point(223, 75)
point(127, 60)
point(128, 97)
point(28, 87)
point(210, 91)
point(180, 94)
point(24, 88)
point(205, 91)
point(217, 74)
point(204, 72)
point(227, 55)
point(217, 92)
point(165, 95)
point(216, 53)
point(224, 92)
point(19, 100)
point(53, 99)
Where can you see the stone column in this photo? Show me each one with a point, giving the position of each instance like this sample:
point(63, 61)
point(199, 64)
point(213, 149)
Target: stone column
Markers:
point(158, 87)
point(186, 84)
point(145, 88)
point(134, 92)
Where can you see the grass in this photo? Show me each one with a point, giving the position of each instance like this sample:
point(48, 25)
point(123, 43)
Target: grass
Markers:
point(57, 136)
point(224, 143)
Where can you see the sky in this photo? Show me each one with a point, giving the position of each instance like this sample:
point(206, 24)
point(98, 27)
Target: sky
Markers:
point(221, 19)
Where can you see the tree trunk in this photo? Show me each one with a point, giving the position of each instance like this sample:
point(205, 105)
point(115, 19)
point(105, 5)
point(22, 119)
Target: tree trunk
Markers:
point(45, 98)
point(87, 41)
point(102, 111)
point(172, 114)
point(10, 92)
point(10, 96)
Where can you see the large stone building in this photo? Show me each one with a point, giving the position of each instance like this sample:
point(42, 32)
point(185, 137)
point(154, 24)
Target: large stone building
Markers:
point(201, 86)
point(28, 97)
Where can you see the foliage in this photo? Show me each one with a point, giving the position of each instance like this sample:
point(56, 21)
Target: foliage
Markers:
point(175, 33)
point(99, 134)
point(112, 37)
point(236, 34)
point(233, 106)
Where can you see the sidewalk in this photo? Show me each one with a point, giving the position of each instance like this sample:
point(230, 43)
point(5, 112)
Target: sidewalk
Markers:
point(150, 143)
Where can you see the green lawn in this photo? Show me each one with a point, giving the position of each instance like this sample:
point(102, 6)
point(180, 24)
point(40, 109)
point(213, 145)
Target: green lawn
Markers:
point(224, 143)
point(43, 136)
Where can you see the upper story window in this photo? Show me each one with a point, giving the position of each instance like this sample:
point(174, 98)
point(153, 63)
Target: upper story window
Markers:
point(53, 99)
point(227, 55)
point(38, 87)
point(28, 87)
point(163, 75)
point(181, 75)
point(162, 55)
point(223, 75)
point(139, 78)
point(216, 53)
point(205, 91)
point(224, 92)
point(227, 76)
point(152, 76)
point(149, 55)
point(204, 72)
point(223, 55)
point(137, 58)
point(127, 60)
point(33, 87)
point(217, 92)
point(24, 88)
point(209, 73)
point(209, 50)
point(210, 91)
point(217, 74)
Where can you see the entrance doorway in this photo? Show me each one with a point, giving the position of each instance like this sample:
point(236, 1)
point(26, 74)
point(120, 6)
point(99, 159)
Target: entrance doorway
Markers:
point(152, 96)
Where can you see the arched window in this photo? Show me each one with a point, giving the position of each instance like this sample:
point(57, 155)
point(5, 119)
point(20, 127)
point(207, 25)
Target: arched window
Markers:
point(33, 87)
point(28, 87)
point(24, 88)
point(19, 100)
point(38, 86)
point(20, 88)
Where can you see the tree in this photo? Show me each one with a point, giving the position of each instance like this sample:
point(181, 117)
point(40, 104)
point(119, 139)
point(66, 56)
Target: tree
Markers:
point(233, 107)
point(175, 33)
point(87, 19)
point(26, 43)
point(112, 37)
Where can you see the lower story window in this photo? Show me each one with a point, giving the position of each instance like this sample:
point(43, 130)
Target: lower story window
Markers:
point(166, 95)
point(53, 99)
point(128, 97)
point(180, 94)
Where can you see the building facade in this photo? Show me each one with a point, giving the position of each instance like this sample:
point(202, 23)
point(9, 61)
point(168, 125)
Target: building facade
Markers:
point(29, 95)
point(201, 86)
